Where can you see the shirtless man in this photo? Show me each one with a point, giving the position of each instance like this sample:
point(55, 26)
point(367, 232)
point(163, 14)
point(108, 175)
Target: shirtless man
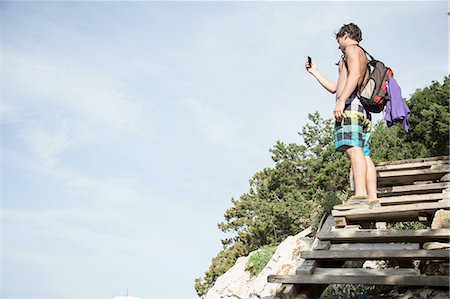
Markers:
point(352, 130)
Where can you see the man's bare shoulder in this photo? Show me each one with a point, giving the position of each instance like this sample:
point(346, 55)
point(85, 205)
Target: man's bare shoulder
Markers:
point(356, 55)
point(353, 50)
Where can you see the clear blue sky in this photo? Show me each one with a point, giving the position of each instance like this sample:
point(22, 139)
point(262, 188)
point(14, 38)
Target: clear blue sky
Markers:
point(127, 127)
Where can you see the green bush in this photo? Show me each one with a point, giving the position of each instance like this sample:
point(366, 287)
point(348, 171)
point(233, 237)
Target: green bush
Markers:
point(259, 259)
point(407, 225)
point(325, 207)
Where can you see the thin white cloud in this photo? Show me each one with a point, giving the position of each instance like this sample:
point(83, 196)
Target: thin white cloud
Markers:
point(45, 144)
point(94, 189)
point(55, 106)
point(111, 189)
point(218, 127)
point(62, 85)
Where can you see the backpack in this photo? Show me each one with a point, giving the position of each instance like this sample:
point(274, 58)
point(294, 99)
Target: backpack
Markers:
point(373, 92)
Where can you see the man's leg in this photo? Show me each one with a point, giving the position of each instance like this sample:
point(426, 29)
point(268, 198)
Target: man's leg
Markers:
point(371, 178)
point(359, 168)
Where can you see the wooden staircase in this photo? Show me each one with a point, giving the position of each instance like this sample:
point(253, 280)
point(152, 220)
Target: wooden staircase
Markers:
point(409, 190)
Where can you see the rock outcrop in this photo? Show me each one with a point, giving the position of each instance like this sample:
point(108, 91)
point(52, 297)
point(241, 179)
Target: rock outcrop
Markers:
point(441, 219)
point(239, 283)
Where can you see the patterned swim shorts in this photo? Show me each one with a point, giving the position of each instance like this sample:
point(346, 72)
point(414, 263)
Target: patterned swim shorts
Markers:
point(354, 129)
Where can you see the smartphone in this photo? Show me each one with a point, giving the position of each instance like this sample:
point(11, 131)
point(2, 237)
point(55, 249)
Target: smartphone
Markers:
point(309, 60)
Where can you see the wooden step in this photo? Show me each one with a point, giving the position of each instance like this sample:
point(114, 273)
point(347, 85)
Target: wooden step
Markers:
point(415, 198)
point(376, 255)
point(374, 246)
point(408, 212)
point(409, 176)
point(413, 189)
point(394, 280)
point(412, 165)
point(410, 161)
point(404, 199)
point(385, 235)
point(366, 272)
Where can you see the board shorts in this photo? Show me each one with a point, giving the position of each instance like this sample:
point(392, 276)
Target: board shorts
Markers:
point(355, 128)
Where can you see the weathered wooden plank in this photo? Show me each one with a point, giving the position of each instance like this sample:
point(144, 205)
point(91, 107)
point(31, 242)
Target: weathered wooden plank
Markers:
point(415, 198)
point(328, 224)
point(286, 291)
point(410, 166)
point(325, 225)
point(376, 255)
point(438, 170)
point(412, 189)
point(416, 160)
point(391, 213)
point(366, 272)
point(340, 222)
point(403, 177)
point(353, 227)
point(374, 246)
point(394, 280)
point(307, 267)
point(322, 245)
point(343, 207)
point(385, 235)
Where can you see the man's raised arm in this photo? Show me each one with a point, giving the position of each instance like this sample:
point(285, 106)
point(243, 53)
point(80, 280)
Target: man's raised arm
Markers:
point(327, 84)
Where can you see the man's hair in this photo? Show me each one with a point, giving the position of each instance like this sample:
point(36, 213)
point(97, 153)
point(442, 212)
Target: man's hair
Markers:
point(353, 31)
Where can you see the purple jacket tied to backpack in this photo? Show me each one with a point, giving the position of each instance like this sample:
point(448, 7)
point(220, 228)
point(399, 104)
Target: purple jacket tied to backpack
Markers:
point(396, 109)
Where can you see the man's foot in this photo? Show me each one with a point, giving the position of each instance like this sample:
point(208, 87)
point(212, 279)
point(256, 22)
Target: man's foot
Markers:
point(355, 202)
point(374, 203)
